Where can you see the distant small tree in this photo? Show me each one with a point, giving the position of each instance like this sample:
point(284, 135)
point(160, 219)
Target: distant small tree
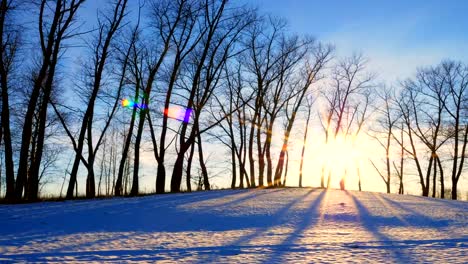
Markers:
point(386, 125)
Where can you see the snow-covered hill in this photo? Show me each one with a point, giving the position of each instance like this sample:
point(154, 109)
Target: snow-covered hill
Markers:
point(248, 226)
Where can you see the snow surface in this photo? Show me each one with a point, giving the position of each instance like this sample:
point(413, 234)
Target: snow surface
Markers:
point(249, 226)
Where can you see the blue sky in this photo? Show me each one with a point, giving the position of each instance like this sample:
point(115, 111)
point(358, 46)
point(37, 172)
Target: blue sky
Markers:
point(397, 36)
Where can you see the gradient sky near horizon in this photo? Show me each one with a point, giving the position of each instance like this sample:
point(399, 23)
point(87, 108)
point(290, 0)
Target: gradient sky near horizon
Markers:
point(396, 36)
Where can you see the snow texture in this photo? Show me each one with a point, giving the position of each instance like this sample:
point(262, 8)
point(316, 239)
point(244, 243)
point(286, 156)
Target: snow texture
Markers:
point(288, 225)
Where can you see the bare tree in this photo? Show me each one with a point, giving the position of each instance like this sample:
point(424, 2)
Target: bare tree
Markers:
point(9, 44)
point(101, 50)
point(400, 170)
point(207, 62)
point(318, 56)
point(386, 124)
point(280, 92)
point(232, 105)
point(350, 84)
point(186, 34)
point(432, 108)
point(429, 116)
point(309, 103)
point(52, 33)
point(404, 103)
point(133, 58)
point(456, 76)
point(262, 59)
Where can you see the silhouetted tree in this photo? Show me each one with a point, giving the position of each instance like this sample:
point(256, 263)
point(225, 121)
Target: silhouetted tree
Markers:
point(386, 125)
point(52, 32)
point(309, 103)
point(317, 57)
point(456, 89)
point(101, 49)
point(9, 45)
point(224, 27)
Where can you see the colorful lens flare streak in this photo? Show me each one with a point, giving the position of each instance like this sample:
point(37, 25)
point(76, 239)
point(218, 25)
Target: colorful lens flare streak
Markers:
point(178, 113)
point(131, 104)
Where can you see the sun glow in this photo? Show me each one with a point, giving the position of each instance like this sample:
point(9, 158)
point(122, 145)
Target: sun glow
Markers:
point(341, 157)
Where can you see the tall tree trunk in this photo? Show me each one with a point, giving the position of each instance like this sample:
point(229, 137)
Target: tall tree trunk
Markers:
point(33, 182)
point(401, 189)
point(251, 156)
point(5, 127)
point(434, 176)
point(242, 149)
point(76, 164)
point(426, 188)
point(136, 161)
point(90, 180)
point(260, 153)
point(456, 175)
point(118, 184)
point(123, 160)
point(233, 166)
point(304, 143)
point(268, 152)
point(454, 188)
point(188, 177)
point(32, 152)
point(32, 185)
point(284, 148)
point(42, 76)
point(178, 169)
point(387, 160)
point(286, 169)
point(90, 184)
point(161, 171)
point(442, 183)
point(5, 131)
point(206, 181)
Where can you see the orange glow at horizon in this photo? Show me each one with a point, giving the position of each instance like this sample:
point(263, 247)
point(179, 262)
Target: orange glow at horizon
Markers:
point(341, 157)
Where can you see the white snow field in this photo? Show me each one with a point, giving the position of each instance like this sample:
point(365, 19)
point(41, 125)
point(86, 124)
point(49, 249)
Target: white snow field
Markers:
point(289, 225)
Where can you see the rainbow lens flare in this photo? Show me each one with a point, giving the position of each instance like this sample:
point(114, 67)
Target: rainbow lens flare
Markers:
point(131, 104)
point(178, 113)
point(126, 103)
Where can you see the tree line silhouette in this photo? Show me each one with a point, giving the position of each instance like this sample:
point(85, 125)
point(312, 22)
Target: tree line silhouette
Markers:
point(209, 73)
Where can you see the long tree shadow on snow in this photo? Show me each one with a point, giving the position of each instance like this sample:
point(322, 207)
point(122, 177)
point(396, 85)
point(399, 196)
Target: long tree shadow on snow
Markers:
point(180, 207)
point(414, 217)
point(306, 218)
point(22, 223)
point(399, 249)
point(372, 223)
point(309, 218)
point(142, 215)
point(261, 222)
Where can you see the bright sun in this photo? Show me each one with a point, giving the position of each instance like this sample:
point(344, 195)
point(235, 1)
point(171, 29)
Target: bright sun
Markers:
point(341, 157)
